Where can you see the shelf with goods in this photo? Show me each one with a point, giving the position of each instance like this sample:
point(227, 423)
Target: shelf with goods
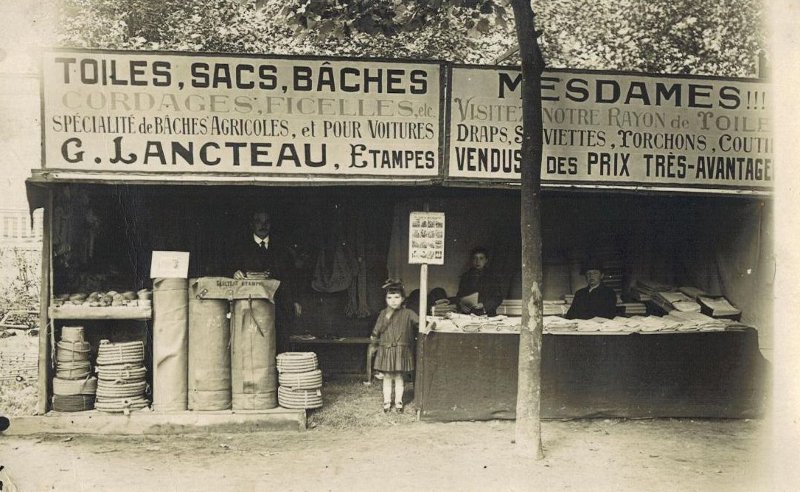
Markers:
point(100, 313)
point(109, 305)
point(119, 321)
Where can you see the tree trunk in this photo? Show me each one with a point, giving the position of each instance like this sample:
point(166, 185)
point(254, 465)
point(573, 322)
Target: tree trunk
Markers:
point(528, 431)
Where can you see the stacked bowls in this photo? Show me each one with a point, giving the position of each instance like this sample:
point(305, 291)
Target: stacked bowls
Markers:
point(300, 380)
point(74, 387)
point(121, 375)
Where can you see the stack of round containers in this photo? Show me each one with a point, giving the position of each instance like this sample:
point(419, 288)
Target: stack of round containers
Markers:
point(73, 386)
point(122, 377)
point(300, 380)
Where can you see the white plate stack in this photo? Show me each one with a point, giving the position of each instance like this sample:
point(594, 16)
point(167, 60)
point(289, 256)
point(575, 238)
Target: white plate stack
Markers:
point(73, 385)
point(122, 377)
point(300, 380)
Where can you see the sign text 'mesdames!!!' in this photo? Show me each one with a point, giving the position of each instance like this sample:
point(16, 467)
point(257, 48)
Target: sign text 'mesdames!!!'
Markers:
point(616, 129)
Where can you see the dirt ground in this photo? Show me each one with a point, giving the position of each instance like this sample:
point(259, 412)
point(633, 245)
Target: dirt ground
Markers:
point(636, 455)
point(354, 446)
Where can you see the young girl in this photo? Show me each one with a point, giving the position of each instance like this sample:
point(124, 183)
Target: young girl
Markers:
point(393, 337)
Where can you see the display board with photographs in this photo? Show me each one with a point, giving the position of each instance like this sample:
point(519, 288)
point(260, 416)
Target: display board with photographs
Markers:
point(426, 238)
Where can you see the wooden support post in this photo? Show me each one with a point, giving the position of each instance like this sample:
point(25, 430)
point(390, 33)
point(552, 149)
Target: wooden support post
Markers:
point(45, 289)
point(423, 286)
point(423, 323)
point(423, 295)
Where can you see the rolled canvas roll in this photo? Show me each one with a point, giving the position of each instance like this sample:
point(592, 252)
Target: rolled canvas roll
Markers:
point(170, 344)
point(254, 376)
point(209, 353)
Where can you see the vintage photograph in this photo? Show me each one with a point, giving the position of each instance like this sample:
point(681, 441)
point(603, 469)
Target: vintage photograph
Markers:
point(333, 245)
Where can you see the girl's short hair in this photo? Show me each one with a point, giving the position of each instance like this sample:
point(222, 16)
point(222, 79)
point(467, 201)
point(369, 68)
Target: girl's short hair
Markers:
point(392, 286)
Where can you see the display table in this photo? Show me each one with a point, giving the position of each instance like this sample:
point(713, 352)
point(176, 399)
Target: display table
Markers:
point(330, 354)
point(473, 376)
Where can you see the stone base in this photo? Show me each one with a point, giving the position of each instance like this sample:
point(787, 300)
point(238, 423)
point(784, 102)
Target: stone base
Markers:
point(147, 422)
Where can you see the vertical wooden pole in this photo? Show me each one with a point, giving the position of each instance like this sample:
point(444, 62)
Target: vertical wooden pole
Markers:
point(423, 294)
point(423, 317)
point(423, 284)
point(45, 289)
point(423, 322)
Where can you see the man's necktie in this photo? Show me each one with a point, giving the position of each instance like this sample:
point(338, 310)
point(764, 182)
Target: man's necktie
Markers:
point(263, 245)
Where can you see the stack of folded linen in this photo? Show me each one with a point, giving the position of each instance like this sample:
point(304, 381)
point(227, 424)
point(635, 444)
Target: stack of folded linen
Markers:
point(510, 325)
point(557, 324)
point(442, 307)
point(671, 300)
point(470, 323)
point(718, 308)
point(442, 324)
point(633, 308)
point(692, 292)
point(645, 324)
point(454, 322)
point(700, 321)
point(510, 307)
point(644, 289)
point(554, 308)
point(675, 322)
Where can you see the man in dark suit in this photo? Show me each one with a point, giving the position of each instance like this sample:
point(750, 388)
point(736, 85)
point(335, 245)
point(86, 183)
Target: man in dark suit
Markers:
point(596, 299)
point(259, 255)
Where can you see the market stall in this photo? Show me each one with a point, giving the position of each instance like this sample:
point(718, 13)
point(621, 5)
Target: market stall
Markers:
point(712, 374)
point(340, 171)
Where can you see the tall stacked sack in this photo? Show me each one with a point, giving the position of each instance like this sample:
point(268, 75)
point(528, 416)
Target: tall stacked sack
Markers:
point(300, 380)
point(73, 385)
point(122, 377)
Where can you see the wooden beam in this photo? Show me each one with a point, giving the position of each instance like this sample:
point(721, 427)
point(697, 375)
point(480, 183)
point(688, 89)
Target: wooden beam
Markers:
point(45, 289)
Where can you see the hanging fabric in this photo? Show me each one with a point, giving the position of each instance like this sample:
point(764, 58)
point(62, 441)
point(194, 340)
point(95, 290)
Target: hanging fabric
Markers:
point(357, 306)
point(336, 265)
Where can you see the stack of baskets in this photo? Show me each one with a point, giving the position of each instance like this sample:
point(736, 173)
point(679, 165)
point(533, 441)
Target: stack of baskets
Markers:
point(74, 387)
point(300, 380)
point(122, 377)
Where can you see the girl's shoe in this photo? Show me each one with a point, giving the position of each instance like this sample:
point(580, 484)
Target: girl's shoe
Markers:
point(398, 407)
point(387, 407)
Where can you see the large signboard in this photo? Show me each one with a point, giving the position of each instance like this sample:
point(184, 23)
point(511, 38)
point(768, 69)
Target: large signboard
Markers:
point(173, 114)
point(182, 113)
point(614, 129)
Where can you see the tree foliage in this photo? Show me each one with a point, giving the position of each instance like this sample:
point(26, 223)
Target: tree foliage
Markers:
point(717, 37)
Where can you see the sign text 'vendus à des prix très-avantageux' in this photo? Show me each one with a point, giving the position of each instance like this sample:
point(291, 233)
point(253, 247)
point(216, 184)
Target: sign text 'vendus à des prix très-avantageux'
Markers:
point(615, 128)
point(178, 113)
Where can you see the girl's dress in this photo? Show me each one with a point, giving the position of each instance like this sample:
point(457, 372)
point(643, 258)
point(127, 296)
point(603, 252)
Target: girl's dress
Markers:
point(396, 336)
